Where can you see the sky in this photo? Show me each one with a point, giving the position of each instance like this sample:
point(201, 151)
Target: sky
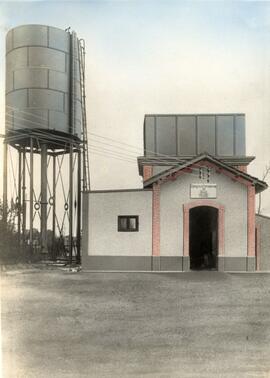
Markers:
point(160, 57)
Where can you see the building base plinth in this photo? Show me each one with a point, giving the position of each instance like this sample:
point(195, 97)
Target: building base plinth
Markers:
point(156, 263)
point(251, 264)
point(171, 263)
point(136, 263)
point(235, 264)
point(162, 263)
point(221, 264)
point(186, 263)
point(117, 263)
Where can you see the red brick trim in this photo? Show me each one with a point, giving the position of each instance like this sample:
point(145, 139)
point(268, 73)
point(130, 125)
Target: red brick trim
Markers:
point(186, 231)
point(233, 176)
point(221, 224)
point(156, 220)
point(242, 168)
point(147, 172)
point(251, 221)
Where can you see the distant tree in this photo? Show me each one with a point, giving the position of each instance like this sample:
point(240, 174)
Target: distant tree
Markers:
point(9, 244)
point(12, 249)
point(264, 177)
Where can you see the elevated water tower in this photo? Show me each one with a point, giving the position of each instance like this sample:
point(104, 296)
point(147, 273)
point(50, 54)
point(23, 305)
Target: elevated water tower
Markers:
point(46, 128)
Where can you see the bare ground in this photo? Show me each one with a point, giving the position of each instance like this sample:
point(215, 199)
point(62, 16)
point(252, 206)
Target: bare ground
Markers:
point(200, 324)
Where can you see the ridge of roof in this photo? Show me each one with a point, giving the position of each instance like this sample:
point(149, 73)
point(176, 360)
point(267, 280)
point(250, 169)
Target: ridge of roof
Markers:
point(191, 114)
point(179, 158)
point(262, 215)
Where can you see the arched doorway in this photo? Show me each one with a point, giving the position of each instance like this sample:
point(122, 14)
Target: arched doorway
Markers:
point(203, 237)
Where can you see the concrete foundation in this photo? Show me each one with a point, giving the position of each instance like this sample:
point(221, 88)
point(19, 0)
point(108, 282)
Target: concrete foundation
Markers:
point(172, 263)
point(162, 263)
point(221, 264)
point(236, 264)
point(251, 264)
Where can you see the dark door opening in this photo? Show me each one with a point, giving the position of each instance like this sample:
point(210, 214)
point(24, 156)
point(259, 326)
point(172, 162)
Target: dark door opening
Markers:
point(203, 237)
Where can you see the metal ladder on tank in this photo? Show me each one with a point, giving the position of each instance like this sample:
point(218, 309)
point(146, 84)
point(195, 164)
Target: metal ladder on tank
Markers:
point(86, 170)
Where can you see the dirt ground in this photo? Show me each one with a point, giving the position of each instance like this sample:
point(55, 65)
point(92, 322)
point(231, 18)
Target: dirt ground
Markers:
point(200, 324)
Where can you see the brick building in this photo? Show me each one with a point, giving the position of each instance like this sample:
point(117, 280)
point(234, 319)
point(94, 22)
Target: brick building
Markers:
point(196, 209)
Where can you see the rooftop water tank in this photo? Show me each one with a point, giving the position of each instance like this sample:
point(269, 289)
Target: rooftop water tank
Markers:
point(43, 82)
point(193, 134)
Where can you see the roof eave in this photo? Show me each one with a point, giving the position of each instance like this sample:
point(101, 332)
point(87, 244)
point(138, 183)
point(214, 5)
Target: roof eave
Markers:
point(259, 185)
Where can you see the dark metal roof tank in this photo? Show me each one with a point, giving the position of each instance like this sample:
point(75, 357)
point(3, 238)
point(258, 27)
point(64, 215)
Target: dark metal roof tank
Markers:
point(193, 134)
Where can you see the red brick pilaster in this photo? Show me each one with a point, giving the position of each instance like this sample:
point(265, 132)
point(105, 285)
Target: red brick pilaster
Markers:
point(186, 231)
point(156, 220)
point(221, 230)
point(251, 220)
point(147, 172)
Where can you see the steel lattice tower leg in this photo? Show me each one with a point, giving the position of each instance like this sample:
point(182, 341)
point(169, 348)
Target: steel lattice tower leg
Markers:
point(70, 202)
point(19, 200)
point(23, 196)
point(43, 199)
point(5, 184)
point(31, 197)
point(78, 255)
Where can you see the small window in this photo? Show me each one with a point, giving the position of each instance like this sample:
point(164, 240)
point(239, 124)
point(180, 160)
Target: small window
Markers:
point(128, 223)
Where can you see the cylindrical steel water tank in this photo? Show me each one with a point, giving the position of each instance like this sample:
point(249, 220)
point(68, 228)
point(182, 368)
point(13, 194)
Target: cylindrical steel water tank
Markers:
point(43, 88)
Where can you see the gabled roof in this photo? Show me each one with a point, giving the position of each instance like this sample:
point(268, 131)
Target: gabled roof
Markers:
point(263, 216)
point(179, 160)
point(234, 172)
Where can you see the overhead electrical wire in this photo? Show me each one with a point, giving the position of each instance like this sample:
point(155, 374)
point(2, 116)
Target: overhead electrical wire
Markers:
point(130, 155)
point(112, 156)
point(112, 151)
point(97, 135)
point(91, 133)
point(14, 174)
point(105, 154)
point(44, 133)
point(152, 159)
point(119, 156)
point(94, 140)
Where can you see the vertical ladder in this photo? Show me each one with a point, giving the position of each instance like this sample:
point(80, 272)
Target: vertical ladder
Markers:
point(86, 170)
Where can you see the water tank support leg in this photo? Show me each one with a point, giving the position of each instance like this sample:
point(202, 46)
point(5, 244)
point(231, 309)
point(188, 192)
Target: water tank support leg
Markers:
point(43, 199)
point(31, 195)
point(78, 255)
point(23, 195)
point(54, 203)
point(70, 202)
point(5, 152)
point(19, 199)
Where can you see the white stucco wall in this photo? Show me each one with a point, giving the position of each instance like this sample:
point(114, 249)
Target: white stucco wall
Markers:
point(103, 236)
point(104, 208)
point(232, 195)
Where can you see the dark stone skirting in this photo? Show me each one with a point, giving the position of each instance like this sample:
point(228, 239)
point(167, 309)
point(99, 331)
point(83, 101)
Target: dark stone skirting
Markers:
point(161, 263)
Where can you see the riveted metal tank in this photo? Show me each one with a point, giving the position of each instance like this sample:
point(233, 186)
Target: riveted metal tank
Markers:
point(43, 82)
